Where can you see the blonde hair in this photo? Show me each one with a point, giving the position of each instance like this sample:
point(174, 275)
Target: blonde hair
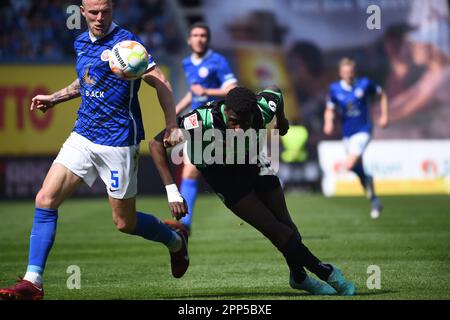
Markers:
point(347, 62)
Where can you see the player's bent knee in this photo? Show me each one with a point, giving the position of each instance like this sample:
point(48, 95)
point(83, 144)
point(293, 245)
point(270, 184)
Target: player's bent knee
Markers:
point(124, 226)
point(45, 200)
point(351, 164)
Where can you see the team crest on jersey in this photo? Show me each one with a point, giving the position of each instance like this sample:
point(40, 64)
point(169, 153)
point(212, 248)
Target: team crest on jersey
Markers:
point(87, 78)
point(359, 93)
point(203, 72)
point(105, 55)
point(191, 122)
point(272, 106)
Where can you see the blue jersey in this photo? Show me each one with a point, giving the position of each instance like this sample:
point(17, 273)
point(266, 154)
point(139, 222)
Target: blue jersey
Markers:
point(109, 113)
point(211, 72)
point(353, 102)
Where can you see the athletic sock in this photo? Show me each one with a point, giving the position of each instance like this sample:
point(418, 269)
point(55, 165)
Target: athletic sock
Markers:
point(151, 228)
point(297, 256)
point(367, 183)
point(313, 264)
point(188, 190)
point(41, 241)
point(291, 253)
point(358, 169)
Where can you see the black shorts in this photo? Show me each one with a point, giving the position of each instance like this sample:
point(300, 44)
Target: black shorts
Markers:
point(231, 183)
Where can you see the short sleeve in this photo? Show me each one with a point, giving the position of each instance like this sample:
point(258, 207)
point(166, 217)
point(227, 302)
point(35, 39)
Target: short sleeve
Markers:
point(151, 60)
point(331, 99)
point(224, 73)
point(373, 88)
point(269, 101)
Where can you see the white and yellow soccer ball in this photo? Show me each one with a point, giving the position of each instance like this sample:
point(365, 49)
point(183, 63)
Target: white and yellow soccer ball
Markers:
point(128, 60)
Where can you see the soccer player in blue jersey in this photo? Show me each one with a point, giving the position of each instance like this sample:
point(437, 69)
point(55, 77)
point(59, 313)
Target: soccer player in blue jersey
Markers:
point(350, 96)
point(209, 78)
point(250, 189)
point(105, 143)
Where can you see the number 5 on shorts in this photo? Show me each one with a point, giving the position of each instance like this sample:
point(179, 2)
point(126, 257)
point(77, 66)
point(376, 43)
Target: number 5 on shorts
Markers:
point(114, 179)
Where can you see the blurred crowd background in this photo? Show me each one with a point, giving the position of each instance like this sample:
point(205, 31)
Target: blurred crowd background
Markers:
point(35, 30)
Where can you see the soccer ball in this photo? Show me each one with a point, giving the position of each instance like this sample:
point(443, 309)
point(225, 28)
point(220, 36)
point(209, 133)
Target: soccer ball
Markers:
point(128, 60)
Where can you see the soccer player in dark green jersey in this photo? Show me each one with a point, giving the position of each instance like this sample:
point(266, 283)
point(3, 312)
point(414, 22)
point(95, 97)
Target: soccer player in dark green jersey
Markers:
point(249, 188)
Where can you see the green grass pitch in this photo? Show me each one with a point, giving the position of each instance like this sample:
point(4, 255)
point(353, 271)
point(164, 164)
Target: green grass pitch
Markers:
point(229, 259)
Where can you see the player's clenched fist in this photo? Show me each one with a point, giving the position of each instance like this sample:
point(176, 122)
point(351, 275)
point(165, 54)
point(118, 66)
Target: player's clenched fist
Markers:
point(41, 102)
point(178, 209)
point(173, 136)
point(177, 204)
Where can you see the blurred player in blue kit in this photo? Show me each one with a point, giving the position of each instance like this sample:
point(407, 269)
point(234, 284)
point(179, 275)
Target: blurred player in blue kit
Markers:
point(350, 96)
point(209, 78)
point(104, 142)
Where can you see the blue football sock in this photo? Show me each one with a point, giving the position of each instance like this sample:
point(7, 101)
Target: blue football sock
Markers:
point(359, 170)
point(189, 188)
point(366, 181)
point(41, 239)
point(151, 228)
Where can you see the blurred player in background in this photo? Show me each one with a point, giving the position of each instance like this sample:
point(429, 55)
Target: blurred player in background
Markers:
point(105, 143)
point(251, 190)
point(350, 96)
point(209, 77)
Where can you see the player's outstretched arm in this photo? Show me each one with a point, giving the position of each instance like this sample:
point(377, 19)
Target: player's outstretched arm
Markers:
point(328, 126)
point(44, 102)
point(212, 92)
point(177, 205)
point(383, 121)
point(184, 103)
point(155, 78)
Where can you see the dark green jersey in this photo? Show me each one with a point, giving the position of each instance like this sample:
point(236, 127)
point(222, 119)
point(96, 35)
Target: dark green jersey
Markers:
point(209, 141)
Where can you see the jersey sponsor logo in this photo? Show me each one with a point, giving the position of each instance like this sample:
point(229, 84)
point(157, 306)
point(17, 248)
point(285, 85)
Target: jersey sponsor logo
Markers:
point(352, 111)
point(87, 78)
point(272, 106)
point(191, 122)
point(105, 55)
point(203, 72)
point(94, 94)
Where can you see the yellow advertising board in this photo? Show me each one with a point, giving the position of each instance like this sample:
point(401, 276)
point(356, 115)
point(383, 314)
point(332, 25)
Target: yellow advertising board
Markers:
point(399, 167)
point(24, 133)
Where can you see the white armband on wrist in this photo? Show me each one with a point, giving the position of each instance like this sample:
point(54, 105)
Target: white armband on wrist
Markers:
point(173, 195)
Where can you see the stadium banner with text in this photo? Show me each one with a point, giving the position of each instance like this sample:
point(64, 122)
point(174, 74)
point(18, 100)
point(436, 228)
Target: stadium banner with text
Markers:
point(399, 167)
point(25, 133)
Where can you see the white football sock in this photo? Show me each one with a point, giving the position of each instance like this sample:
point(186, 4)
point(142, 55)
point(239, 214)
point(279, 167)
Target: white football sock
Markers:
point(33, 277)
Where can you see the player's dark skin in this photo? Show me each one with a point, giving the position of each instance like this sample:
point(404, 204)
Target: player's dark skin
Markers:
point(261, 203)
point(265, 211)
